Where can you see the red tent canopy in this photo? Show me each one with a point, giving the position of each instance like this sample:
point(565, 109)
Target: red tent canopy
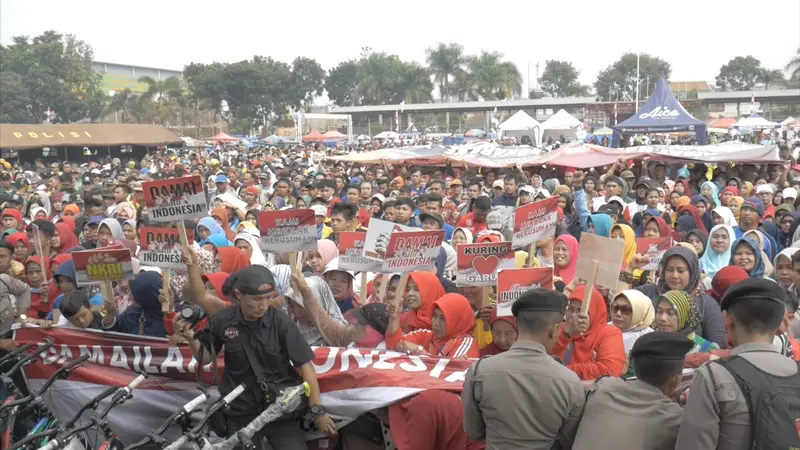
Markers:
point(222, 137)
point(314, 136)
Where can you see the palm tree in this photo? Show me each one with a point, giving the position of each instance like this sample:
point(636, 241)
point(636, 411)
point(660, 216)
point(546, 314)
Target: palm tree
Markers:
point(127, 104)
point(444, 62)
point(169, 88)
point(794, 66)
point(771, 77)
point(416, 82)
point(494, 78)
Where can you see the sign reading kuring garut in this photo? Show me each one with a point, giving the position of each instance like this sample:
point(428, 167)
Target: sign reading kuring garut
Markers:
point(478, 264)
point(288, 231)
point(175, 199)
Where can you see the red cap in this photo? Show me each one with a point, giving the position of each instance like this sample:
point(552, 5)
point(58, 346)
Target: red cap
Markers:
point(569, 170)
point(363, 217)
point(252, 189)
point(796, 167)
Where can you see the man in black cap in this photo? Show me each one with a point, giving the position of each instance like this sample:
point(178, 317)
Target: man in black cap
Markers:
point(650, 418)
point(260, 342)
point(523, 398)
point(718, 414)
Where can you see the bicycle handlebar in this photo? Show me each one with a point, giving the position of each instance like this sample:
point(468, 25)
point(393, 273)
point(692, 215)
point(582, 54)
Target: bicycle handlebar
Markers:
point(63, 372)
point(91, 404)
point(154, 436)
point(16, 352)
point(29, 357)
point(195, 432)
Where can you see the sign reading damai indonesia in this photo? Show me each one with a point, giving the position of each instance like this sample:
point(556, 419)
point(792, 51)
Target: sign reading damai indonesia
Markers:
point(161, 247)
point(175, 199)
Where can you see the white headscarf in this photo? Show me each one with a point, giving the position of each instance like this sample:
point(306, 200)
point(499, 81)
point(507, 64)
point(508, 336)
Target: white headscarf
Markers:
point(113, 226)
point(256, 256)
point(727, 216)
point(45, 202)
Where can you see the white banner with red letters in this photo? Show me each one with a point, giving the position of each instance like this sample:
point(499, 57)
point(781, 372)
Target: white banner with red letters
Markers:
point(352, 381)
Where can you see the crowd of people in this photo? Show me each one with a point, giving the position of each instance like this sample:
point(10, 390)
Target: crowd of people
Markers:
point(725, 291)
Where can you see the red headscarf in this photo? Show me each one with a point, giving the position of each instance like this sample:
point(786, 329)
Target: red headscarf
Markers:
point(430, 290)
point(217, 279)
point(692, 210)
point(663, 229)
point(13, 212)
point(493, 349)
point(567, 273)
point(39, 309)
point(60, 259)
point(233, 259)
point(724, 279)
point(67, 236)
point(459, 319)
point(732, 189)
point(18, 237)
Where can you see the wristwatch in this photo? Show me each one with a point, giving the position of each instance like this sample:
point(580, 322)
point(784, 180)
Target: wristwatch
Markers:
point(317, 410)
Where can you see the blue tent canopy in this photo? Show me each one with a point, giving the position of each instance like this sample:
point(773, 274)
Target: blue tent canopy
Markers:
point(661, 114)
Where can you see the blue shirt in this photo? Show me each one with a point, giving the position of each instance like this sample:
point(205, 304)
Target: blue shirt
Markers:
point(505, 200)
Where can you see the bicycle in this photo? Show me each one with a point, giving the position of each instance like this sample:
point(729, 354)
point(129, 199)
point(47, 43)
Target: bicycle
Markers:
point(197, 434)
point(183, 417)
point(65, 435)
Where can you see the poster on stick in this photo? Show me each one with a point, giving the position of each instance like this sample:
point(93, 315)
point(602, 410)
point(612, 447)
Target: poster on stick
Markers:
point(478, 264)
point(102, 264)
point(351, 249)
point(535, 222)
point(654, 249)
point(161, 247)
point(607, 252)
point(293, 230)
point(512, 283)
point(406, 251)
point(175, 199)
point(378, 235)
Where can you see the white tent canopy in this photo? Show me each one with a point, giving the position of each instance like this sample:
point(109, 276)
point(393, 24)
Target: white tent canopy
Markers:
point(561, 120)
point(387, 135)
point(521, 124)
point(755, 121)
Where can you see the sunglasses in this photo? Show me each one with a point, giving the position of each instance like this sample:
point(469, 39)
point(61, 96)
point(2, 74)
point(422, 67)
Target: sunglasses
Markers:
point(622, 309)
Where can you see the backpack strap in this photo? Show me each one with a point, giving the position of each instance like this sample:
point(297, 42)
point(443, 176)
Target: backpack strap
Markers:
point(749, 378)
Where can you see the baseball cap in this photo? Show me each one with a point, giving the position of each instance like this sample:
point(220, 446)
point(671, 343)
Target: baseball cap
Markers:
point(756, 204)
point(494, 220)
point(137, 186)
point(528, 189)
point(456, 182)
point(683, 173)
point(498, 184)
point(355, 180)
point(765, 188)
point(252, 189)
point(319, 210)
point(626, 174)
point(379, 197)
point(221, 178)
point(789, 193)
point(264, 176)
point(96, 172)
point(437, 217)
point(95, 220)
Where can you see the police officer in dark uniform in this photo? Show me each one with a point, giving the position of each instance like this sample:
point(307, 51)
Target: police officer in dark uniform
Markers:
point(260, 342)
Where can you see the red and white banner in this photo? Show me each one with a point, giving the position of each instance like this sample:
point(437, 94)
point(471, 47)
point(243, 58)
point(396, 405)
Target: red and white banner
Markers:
point(654, 249)
point(102, 264)
point(535, 222)
point(161, 247)
point(351, 253)
point(512, 283)
point(288, 231)
point(352, 381)
point(175, 199)
point(478, 264)
point(407, 251)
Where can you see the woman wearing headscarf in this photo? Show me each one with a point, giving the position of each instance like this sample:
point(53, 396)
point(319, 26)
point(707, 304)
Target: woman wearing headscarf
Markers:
point(450, 334)
point(325, 253)
point(124, 211)
point(38, 213)
point(41, 198)
point(764, 245)
point(783, 267)
point(599, 350)
point(676, 312)
point(718, 250)
point(296, 306)
point(640, 219)
point(692, 212)
point(422, 290)
point(656, 227)
point(144, 317)
point(632, 312)
point(724, 279)
point(461, 235)
point(22, 248)
point(784, 237)
point(723, 215)
point(551, 184)
point(220, 214)
point(565, 257)
point(747, 255)
point(624, 233)
point(207, 227)
point(248, 244)
point(683, 226)
point(710, 190)
point(697, 238)
point(129, 230)
point(342, 285)
point(43, 292)
point(600, 224)
point(504, 333)
point(64, 238)
point(109, 229)
point(680, 270)
point(704, 207)
point(735, 205)
point(231, 259)
point(215, 242)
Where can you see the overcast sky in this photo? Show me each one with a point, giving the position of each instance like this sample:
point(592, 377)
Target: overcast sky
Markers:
point(696, 36)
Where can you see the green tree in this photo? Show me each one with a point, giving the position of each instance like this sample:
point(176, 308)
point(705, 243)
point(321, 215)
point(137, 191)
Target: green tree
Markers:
point(308, 79)
point(342, 84)
point(772, 78)
point(619, 79)
point(162, 90)
point(739, 74)
point(444, 62)
point(14, 98)
point(793, 67)
point(380, 79)
point(560, 79)
point(416, 83)
point(56, 73)
point(128, 106)
point(493, 78)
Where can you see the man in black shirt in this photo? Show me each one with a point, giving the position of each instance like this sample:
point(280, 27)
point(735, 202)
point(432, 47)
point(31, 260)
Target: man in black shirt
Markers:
point(253, 330)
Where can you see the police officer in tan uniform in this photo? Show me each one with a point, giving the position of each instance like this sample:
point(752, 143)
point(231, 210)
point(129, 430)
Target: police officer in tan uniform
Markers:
point(717, 415)
point(641, 407)
point(523, 398)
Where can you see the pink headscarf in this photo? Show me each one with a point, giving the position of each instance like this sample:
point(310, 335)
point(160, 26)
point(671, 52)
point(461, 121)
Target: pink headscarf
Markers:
point(328, 251)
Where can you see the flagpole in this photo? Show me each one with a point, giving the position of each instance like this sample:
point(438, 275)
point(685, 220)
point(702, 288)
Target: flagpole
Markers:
point(637, 82)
